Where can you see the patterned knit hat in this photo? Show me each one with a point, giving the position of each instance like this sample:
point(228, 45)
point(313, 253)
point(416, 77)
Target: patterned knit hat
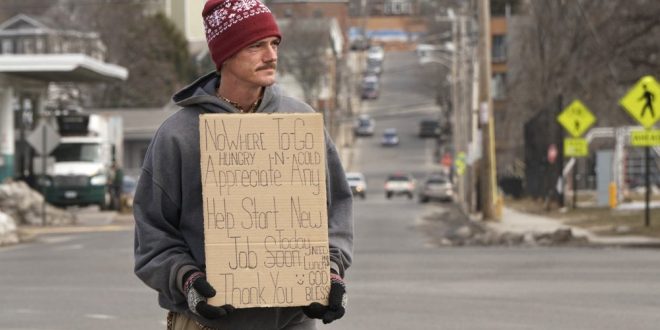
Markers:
point(232, 25)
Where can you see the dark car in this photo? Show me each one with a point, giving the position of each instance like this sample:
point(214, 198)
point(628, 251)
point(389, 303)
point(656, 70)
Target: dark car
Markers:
point(436, 187)
point(370, 89)
point(429, 128)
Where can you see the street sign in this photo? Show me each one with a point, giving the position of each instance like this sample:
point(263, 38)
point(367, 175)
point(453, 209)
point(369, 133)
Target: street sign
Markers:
point(38, 165)
point(44, 139)
point(576, 147)
point(642, 102)
point(576, 118)
point(460, 163)
point(646, 138)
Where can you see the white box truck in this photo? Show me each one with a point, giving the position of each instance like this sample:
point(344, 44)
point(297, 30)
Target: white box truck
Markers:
point(88, 163)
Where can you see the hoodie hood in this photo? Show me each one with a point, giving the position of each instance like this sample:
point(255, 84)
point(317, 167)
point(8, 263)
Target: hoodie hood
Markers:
point(201, 93)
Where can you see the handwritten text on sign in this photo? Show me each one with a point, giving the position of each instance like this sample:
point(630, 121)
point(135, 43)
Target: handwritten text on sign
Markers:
point(265, 217)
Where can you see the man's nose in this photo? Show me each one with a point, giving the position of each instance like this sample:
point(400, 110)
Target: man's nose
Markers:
point(271, 54)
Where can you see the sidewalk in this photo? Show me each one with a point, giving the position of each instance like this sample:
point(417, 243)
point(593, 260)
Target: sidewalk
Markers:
point(520, 223)
point(87, 221)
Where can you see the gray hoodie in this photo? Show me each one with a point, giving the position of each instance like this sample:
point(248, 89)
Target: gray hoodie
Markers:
point(169, 223)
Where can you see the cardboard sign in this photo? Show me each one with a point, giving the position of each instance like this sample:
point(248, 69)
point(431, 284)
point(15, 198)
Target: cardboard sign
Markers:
point(265, 213)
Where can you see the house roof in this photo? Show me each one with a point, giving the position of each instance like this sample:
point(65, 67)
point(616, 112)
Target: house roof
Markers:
point(61, 68)
point(22, 24)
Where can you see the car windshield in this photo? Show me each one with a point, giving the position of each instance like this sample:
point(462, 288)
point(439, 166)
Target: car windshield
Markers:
point(364, 122)
point(370, 84)
point(390, 134)
point(398, 178)
point(77, 152)
point(437, 181)
point(375, 50)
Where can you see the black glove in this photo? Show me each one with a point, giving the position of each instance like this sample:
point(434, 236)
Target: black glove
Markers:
point(197, 290)
point(336, 302)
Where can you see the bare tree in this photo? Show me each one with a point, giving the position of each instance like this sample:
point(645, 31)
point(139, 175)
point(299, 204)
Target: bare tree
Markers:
point(587, 49)
point(149, 45)
point(304, 52)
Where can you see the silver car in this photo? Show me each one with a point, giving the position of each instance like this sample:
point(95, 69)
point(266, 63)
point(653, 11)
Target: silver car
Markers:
point(436, 187)
point(364, 126)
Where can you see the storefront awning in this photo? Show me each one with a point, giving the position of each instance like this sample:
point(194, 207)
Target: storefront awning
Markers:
point(61, 68)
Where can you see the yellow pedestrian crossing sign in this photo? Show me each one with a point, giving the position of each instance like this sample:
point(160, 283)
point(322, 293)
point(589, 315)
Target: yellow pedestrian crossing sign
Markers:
point(645, 138)
point(643, 101)
point(576, 118)
point(576, 147)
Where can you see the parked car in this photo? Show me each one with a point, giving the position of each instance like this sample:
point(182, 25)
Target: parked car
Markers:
point(436, 187)
point(374, 67)
point(364, 126)
point(429, 128)
point(358, 184)
point(400, 184)
point(370, 88)
point(376, 53)
point(390, 138)
point(128, 186)
point(358, 39)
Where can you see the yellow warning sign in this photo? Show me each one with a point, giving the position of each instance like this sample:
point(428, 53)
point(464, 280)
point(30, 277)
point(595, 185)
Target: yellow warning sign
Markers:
point(576, 118)
point(576, 147)
point(646, 138)
point(460, 163)
point(642, 102)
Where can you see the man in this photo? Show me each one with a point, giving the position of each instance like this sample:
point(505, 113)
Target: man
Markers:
point(243, 39)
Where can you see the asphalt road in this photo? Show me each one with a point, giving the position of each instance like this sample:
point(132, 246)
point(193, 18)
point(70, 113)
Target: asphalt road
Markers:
point(75, 281)
point(84, 280)
point(401, 281)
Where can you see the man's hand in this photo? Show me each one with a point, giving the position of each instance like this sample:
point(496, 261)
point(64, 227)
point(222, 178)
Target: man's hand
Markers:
point(336, 302)
point(197, 290)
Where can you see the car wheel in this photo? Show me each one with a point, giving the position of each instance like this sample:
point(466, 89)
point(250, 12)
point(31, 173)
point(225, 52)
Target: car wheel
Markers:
point(363, 196)
point(423, 200)
point(410, 196)
point(388, 195)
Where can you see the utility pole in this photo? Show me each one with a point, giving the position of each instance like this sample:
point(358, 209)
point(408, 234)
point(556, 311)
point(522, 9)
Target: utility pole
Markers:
point(488, 177)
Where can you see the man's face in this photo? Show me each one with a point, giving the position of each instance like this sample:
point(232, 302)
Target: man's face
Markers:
point(255, 65)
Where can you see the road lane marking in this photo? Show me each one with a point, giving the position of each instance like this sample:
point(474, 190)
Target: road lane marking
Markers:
point(100, 316)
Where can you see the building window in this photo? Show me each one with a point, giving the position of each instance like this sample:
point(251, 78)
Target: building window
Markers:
point(55, 45)
point(498, 84)
point(7, 46)
point(499, 48)
point(397, 8)
point(40, 46)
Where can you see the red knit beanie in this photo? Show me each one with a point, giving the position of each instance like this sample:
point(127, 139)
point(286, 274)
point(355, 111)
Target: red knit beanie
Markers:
point(232, 25)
